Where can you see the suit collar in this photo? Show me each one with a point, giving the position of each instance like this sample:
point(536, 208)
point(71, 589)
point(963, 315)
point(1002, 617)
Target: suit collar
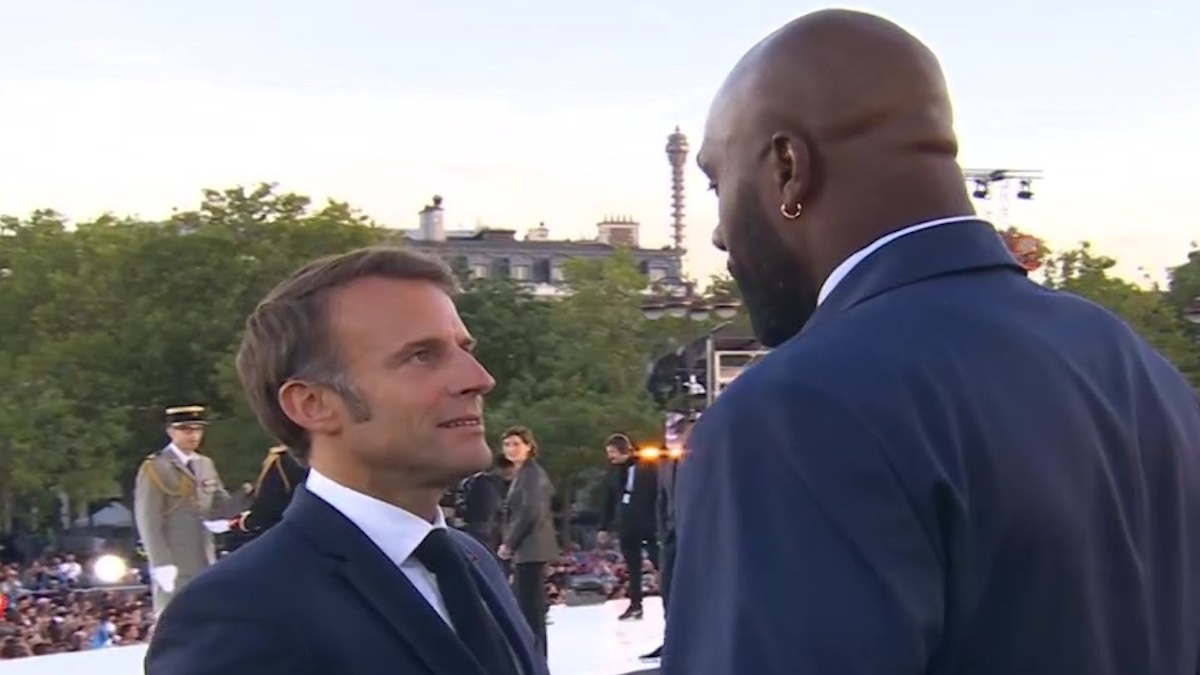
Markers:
point(379, 583)
point(395, 531)
point(841, 271)
point(497, 604)
point(923, 254)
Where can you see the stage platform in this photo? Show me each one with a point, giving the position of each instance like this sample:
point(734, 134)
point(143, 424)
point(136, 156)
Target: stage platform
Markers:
point(583, 641)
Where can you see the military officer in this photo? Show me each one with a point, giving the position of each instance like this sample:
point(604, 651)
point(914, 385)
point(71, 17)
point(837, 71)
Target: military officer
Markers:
point(176, 492)
point(282, 472)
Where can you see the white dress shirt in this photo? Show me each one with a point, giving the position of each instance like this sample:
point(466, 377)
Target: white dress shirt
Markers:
point(183, 457)
point(395, 531)
point(839, 273)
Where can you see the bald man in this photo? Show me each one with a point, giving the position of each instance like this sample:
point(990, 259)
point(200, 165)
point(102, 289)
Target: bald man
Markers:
point(943, 467)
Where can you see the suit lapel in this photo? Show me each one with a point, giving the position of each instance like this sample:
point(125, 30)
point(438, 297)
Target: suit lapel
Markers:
point(925, 254)
point(503, 615)
point(381, 585)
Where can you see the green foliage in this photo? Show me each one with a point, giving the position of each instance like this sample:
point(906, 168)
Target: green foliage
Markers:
point(107, 322)
point(1149, 310)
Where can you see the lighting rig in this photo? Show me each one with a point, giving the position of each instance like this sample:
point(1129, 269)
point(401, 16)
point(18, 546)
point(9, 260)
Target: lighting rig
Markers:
point(1192, 312)
point(677, 299)
point(988, 183)
point(985, 183)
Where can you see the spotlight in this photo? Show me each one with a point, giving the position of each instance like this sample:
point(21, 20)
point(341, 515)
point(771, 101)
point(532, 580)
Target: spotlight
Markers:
point(1026, 190)
point(110, 569)
point(981, 189)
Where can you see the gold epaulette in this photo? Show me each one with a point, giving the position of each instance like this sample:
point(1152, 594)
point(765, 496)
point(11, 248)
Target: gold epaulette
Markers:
point(186, 487)
point(272, 460)
point(277, 450)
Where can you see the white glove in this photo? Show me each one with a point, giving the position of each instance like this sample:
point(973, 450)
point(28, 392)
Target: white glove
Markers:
point(217, 526)
point(165, 577)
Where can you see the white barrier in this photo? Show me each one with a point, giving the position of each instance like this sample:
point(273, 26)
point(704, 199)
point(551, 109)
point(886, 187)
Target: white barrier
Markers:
point(583, 641)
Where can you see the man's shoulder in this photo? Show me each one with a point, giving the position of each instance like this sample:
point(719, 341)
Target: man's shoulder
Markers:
point(469, 544)
point(476, 552)
point(276, 556)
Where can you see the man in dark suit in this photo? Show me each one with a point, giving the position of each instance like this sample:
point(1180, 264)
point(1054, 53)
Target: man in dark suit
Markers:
point(630, 499)
point(679, 427)
point(361, 360)
point(943, 467)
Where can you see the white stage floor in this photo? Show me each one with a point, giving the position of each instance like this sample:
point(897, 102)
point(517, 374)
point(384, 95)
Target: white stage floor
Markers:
point(583, 641)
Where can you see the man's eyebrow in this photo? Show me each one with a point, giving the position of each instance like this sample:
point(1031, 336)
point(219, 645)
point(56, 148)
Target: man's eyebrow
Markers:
point(429, 343)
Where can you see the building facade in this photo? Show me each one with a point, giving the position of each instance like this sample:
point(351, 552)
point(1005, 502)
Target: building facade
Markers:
point(535, 260)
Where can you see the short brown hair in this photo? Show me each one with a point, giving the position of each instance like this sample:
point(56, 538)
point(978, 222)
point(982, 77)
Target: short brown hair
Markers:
point(287, 335)
point(621, 442)
point(525, 434)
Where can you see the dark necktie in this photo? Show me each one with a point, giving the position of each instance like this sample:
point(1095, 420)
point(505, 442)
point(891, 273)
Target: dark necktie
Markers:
point(472, 621)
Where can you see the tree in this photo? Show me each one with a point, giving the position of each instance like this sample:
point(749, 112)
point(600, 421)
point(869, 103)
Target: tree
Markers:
point(513, 330)
point(111, 321)
point(1148, 311)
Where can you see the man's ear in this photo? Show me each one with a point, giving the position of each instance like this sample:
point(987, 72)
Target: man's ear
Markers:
point(792, 165)
point(310, 407)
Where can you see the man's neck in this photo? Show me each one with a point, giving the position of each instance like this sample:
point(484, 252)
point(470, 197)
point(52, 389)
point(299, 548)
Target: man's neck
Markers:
point(421, 502)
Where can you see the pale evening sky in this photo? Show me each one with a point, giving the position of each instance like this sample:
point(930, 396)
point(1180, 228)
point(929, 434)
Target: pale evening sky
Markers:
point(520, 111)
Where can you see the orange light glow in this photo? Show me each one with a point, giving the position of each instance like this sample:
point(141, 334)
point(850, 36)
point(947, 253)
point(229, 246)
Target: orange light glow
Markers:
point(650, 454)
point(675, 454)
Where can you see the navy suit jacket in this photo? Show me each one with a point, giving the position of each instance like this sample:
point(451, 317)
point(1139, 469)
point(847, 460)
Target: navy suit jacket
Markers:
point(950, 470)
point(314, 595)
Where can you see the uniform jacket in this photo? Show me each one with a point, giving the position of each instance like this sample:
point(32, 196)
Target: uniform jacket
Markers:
point(281, 474)
point(171, 503)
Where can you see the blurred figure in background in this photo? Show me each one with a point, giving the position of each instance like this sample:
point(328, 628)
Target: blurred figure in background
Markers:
point(282, 471)
point(483, 503)
point(529, 539)
point(679, 427)
point(630, 498)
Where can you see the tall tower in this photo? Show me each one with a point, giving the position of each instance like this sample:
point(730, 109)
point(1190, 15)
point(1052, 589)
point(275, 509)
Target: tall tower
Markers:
point(677, 154)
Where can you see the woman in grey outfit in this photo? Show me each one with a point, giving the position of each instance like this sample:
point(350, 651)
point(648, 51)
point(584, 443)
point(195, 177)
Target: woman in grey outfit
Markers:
point(529, 539)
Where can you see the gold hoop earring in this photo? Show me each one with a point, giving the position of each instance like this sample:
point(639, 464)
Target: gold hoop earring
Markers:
point(788, 214)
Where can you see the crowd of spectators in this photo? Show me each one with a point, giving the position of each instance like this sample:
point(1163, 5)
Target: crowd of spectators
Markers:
point(46, 611)
point(602, 568)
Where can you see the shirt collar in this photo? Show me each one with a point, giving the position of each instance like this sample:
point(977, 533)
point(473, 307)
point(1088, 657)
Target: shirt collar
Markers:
point(843, 270)
point(182, 456)
point(395, 531)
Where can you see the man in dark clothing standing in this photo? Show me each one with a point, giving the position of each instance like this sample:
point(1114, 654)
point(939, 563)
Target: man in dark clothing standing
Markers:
point(483, 503)
point(630, 498)
point(679, 426)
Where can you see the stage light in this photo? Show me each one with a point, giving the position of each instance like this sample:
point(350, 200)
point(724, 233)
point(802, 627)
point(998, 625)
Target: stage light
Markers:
point(1026, 190)
point(653, 311)
point(725, 310)
point(981, 190)
point(649, 454)
point(110, 569)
